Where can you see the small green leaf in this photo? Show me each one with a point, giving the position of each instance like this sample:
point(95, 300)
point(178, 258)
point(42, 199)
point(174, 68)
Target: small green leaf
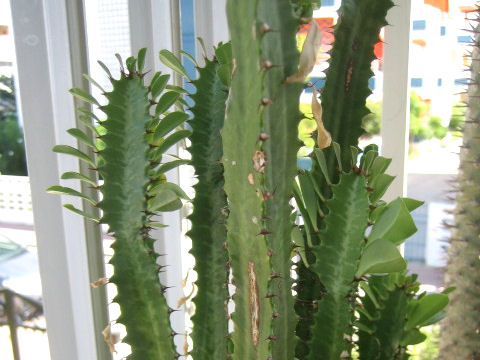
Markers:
point(368, 292)
point(162, 169)
point(189, 57)
point(84, 96)
point(172, 206)
point(93, 82)
point(202, 44)
point(173, 63)
point(105, 68)
point(354, 151)
point(380, 257)
point(365, 313)
point(169, 123)
point(101, 130)
point(157, 225)
point(395, 224)
point(412, 337)
point(172, 140)
point(177, 190)
point(166, 100)
point(65, 149)
point(181, 103)
point(380, 184)
point(131, 62)
point(299, 241)
point(178, 89)
point(74, 175)
point(338, 154)
point(86, 120)
point(316, 186)
point(301, 206)
point(322, 162)
point(412, 204)
point(88, 113)
point(80, 212)
point(165, 200)
point(62, 190)
point(310, 199)
point(434, 319)
point(364, 328)
point(120, 62)
point(420, 311)
point(81, 136)
point(367, 160)
point(449, 290)
point(141, 59)
point(224, 53)
point(380, 165)
point(158, 85)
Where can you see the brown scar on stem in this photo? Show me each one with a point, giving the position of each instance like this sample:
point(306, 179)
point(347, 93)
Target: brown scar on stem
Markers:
point(348, 75)
point(254, 304)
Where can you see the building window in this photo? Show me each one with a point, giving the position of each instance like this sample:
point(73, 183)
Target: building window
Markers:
point(328, 2)
point(464, 39)
point(419, 24)
point(439, 82)
point(443, 30)
point(416, 82)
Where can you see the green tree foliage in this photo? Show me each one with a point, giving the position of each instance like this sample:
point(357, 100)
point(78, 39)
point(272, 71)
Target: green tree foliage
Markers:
point(372, 122)
point(422, 125)
point(12, 148)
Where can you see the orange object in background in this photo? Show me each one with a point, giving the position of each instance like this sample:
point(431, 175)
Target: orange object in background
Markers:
point(325, 25)
point(378, 50)
point(420, 42)
point(440, 4)
point(3, 30)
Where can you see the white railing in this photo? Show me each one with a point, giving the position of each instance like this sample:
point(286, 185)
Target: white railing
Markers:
point(15, 200)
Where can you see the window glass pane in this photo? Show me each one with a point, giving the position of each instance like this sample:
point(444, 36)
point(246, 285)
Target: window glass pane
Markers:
point(19, 272)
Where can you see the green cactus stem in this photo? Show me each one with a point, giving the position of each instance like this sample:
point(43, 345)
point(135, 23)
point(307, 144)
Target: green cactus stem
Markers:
point(248, 251)
point(346, 88)
point(392, 314)
point(460, 336)
point(280, 60)
point(383, 317)
point(341, 243)
point(259, 154)
point(342, 254)
point(208, 232)
point(129, 150)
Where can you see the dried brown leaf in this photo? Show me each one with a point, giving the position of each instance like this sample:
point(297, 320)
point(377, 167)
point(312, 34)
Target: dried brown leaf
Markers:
point(184, 299)
point(184, 281)
point(111, 338)
point(99, 282)
point(324, 139)
point(308, 57)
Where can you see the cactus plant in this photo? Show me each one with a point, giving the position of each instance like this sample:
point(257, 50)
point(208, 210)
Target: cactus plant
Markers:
point(460, 336)
point(392, 314)
point(130, 145)
point(208, 232)
point(245, 232)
